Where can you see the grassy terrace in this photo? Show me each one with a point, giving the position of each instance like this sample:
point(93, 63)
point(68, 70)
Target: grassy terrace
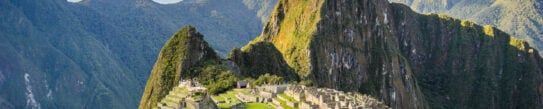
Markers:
point(258, 106)
point(231, 96)
point(284, 104)
point(228, 96)
point(245, 92)
point(181, 90)
point(291, 99)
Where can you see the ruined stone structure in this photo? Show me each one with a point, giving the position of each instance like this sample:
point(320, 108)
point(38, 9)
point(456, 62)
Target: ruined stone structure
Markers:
point(189, 94)
point(323, 98)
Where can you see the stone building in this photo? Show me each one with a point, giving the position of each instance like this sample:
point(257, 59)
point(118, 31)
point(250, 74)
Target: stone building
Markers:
point(243, 84)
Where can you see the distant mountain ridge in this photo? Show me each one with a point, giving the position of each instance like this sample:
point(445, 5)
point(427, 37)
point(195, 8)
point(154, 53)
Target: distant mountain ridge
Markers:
point(521, 18)
point(98, 53)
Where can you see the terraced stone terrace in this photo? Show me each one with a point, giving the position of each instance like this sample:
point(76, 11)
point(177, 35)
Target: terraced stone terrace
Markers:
point(226, 100)
point(194, 96)
point(187, 94)
point(294, 97)
point(231, 99)
point(174, 99)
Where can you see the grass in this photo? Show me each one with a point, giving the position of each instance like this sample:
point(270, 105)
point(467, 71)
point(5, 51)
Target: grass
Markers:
point(284, 104)
point(218, 98)
point(170, 100)
point(224, 106)
point(295, 36)
point(230, 95)
point(258, 106)
point(245, 92)
point(291, 99)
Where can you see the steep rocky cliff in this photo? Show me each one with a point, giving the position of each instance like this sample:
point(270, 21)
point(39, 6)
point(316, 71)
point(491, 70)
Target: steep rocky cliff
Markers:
point(184, 50)
point(462, 65)
point(521, 18)
point(347, 45)
point(406, 59)
point(269, 60)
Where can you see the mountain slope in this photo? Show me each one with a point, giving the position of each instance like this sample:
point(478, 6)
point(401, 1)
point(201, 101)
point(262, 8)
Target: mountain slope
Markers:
point(464, 65)
point(98, 53)
point(404, 58)
point(407, 60)
point(184, 50)
point(522, 19)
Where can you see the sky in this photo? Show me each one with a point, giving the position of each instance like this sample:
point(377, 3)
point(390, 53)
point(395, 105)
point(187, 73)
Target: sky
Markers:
point(167, 1)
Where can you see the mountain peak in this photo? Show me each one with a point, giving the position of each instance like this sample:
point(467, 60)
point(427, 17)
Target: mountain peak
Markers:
point(389, 51)
point(407, 60)
point(185, 49)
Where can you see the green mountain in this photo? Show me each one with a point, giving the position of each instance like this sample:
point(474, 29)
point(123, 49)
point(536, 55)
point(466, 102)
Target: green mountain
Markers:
point(186, 55)
point(98, 53)
point(522, 19)
point(184, 50)
point(407, 60)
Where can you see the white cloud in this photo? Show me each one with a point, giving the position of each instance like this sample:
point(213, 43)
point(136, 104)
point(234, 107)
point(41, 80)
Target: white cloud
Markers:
point(167, 1)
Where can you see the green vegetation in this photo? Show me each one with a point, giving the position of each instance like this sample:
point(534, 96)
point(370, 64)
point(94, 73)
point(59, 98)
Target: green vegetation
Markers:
point(289, 98)
point(215, 77)
point(306, 82)
point(245, 92)
point(476, 66)
point(269, 59)
point(257, 106)
point(228, 97)
point(521, 19)
point(184, 56)
point(175, 97)
point(297, 22)
point(197, 95)
point(267, 79)
point(284, 104)
point(166, 74)
point(100, 56)
point(437, 61)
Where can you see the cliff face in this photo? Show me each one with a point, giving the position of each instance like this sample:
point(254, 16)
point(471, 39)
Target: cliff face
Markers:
point(260, 58)
point(184, 50)
point(346, 45)
point(521, 18)
point(462, 65)
point(406, 59)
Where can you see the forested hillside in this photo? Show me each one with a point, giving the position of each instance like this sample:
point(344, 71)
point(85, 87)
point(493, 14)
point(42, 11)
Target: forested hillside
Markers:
point(98, 53)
